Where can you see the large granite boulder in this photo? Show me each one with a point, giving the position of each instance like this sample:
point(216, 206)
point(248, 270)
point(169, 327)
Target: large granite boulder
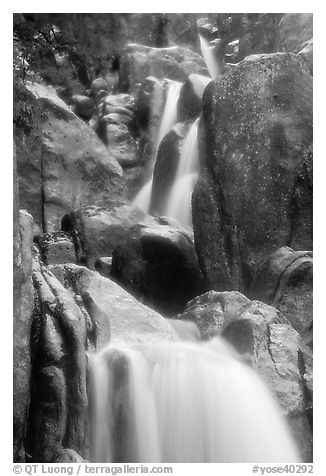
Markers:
point(285, 280)
point(96, 231)
point(176, 62)
point(61, 162)
point(157, 262)
point(111, 307)
point(152, 257)
point(254, 193)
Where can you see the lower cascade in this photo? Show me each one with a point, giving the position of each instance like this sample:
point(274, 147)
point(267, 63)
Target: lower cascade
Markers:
point(183, 402)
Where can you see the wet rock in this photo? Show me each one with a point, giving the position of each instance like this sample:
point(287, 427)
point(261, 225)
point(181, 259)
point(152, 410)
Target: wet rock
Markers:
point(166, 165)
point(62, 163)
point(254, 193)
point(176, 62)
point(56, 248)
point(98, 230)
point(294, 30)
point(284, 280)
point(280, 356)
point(83, 106)
point(22, 320)
point(190, 99)
point(212, 311)
point(59, 398)
point(129, 320)
point(157, 262)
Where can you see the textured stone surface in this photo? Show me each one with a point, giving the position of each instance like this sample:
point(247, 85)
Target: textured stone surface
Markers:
point(22, 319)
point(129, 320)
point(254, 193)
point(98, 230)
point(58, 413)
point(64, 165)
point(285, 280)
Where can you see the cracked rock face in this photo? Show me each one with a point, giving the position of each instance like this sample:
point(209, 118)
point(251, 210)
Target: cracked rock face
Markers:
point(285, 280)
point(254, 193)
point(59, 393)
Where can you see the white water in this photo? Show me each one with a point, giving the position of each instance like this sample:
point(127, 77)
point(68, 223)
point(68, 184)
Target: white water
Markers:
point(184, 402)
point(178, 204)
point(169, 118)
point(170, 112)
point(179, 201)
point(209, 58)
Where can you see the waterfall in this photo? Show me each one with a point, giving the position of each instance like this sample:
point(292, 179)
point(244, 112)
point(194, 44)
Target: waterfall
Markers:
point(143, 197)
point(170, 112)
point(183, 402)
point(179, 201)
point(209, 58)
point(178, 204)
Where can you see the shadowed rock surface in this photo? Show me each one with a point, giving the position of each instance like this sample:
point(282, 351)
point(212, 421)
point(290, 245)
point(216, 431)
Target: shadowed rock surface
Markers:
point(254, 193)
point(158, 264)
point(285, 280)
point(129, 320)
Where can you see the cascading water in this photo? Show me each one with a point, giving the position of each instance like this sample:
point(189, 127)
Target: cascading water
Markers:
point(143, 198)
point(184, 402)
point(209, 58)
point(178, 205)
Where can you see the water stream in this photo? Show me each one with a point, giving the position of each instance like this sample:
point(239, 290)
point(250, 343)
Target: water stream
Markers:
point(169, 118)
point(184, 402)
